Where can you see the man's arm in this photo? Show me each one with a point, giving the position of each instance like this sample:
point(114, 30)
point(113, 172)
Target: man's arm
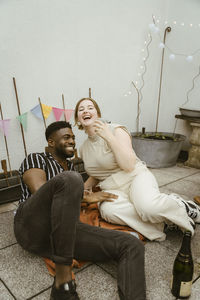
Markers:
point(34, 179)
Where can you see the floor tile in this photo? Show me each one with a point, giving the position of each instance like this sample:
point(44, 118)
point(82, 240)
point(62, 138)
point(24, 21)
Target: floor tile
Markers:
point(110, 267)
point(24, 274)
point(195, 291)
point(184, 186)
point(159, 263)
point(174, 240)
point(95, 284)
point(180, 172)
point(43, 296)
point(195, 178)
point(4, 293)
point(6, 229)
point(7, 207)
point(162, 177)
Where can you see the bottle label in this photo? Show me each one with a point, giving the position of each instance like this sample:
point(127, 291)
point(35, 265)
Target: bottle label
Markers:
point(185, 288)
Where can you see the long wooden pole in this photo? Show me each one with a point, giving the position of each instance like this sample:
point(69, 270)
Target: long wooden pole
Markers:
point(42, 113)
point(90, 94)
point(168, 29)
point(5, 139)
point(63, 101)
point(22, 130)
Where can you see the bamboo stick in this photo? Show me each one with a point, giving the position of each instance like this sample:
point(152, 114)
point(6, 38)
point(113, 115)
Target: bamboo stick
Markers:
point(63, 101)
point(168, 29)
point(22, 130)
point(42, 113)
point(6, 144)
point(4, 167)
point(90, 94)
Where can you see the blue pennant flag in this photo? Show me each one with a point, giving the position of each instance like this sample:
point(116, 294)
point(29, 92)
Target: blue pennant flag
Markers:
point(37, 112)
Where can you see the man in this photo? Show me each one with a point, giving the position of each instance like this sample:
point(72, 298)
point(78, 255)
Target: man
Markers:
point(47, 220)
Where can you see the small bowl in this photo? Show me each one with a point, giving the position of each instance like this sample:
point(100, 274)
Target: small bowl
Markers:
point(193, 113)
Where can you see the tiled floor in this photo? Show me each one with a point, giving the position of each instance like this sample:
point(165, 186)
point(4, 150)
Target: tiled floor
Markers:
point(24, 276)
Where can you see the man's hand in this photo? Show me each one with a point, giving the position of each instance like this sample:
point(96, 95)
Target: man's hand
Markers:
point(90, 197)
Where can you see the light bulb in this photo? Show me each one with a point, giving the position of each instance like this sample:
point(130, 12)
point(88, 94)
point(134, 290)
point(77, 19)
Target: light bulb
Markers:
point(172, 57)
point(129, 93)
point(174, 22)
point(189, 58)
point(125, 95)
point(182, 24)
point(161, 45)
point(191, 25)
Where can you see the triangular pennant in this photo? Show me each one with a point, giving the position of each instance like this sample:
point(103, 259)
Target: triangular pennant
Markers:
point(46, 110)
point(68, 114)
point(37, 112)
point(57, 112)
point(23, 120)
point(4, 125)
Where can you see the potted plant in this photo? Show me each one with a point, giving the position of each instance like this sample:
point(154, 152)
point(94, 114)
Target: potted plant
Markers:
point(157, 149)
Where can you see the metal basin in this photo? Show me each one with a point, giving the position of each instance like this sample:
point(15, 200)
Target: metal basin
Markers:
point(190, 112)
point(158, 153)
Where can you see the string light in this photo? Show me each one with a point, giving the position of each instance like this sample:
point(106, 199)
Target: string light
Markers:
point(172, 56)
point(189, 58)
point(161, 45)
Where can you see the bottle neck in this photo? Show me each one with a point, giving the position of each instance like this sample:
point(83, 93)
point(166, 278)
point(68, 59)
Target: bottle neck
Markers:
point(186, 244)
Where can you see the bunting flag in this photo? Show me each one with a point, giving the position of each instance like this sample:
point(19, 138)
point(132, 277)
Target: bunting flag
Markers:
point(46, 110)
point(57, 112)
point(23, 120)
point(68, 114)
point(37, 112)
point(4, 125)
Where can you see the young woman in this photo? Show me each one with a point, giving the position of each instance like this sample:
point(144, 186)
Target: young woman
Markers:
point(112, 164)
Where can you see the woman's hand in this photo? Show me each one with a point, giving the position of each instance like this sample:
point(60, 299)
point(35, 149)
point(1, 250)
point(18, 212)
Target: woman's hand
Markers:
point(91, 197)
point(102, 129)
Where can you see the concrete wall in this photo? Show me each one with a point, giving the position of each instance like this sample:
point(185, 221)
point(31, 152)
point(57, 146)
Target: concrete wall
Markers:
point(64, 47)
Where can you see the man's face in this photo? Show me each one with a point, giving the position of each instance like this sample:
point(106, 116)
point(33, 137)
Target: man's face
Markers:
point(63, 142)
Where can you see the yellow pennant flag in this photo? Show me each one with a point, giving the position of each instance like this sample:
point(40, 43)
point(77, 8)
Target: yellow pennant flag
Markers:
point(46, 110)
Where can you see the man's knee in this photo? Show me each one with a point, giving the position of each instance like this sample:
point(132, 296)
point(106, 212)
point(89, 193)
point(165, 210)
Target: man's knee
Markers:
point(71, 178)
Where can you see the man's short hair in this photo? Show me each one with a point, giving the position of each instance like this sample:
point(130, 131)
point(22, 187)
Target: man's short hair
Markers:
point(53, 127)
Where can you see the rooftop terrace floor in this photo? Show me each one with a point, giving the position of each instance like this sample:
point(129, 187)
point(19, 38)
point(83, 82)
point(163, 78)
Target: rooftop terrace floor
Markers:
point(24, 276)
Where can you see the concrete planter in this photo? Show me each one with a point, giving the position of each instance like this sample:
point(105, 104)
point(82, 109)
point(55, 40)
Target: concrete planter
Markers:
point(158, 153)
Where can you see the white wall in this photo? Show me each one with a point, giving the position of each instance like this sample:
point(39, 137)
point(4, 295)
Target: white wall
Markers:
point(53, 47)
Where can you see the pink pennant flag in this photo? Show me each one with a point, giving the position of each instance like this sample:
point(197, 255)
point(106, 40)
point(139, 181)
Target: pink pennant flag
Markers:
point(4, 125)
point(57, 112)
point(68, 114)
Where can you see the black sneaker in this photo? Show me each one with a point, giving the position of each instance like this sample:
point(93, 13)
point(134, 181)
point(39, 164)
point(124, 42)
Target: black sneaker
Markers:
point(66, 291)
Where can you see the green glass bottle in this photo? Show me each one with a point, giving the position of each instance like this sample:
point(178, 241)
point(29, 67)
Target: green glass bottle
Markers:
point(183, 269)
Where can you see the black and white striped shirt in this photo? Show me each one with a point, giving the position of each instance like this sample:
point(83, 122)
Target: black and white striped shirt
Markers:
point(44, 161)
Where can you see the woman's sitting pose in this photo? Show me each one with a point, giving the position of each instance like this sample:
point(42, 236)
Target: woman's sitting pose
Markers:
point(112, 164)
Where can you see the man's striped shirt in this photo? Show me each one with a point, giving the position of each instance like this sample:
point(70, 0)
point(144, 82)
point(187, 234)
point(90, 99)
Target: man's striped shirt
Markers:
point(43, 161)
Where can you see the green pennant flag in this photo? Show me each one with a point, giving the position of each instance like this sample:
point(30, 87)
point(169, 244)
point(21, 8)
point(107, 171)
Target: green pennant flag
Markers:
point(23, 120)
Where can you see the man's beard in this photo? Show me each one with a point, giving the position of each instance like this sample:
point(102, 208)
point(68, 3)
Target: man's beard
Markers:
point(62, 154)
